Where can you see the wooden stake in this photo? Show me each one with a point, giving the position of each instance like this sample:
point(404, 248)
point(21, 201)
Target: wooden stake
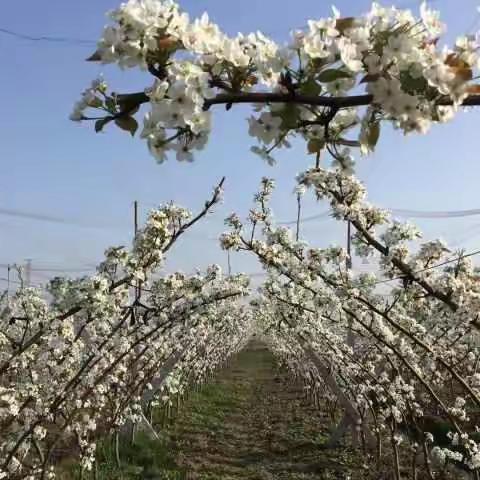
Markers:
point(117, 450)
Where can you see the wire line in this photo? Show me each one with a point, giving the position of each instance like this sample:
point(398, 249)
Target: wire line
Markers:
point(426, 269)
point(68, 40)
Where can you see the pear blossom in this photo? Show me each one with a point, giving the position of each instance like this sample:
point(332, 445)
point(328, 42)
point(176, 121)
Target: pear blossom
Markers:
point(387, 52)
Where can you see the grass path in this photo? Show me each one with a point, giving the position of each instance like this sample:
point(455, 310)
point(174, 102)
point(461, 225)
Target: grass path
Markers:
point(252, 423)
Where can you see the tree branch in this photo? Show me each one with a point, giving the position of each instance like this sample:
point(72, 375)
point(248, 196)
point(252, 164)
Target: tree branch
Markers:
point(270, 97)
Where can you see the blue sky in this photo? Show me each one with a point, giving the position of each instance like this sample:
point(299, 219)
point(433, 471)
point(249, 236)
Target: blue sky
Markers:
point(57, 168)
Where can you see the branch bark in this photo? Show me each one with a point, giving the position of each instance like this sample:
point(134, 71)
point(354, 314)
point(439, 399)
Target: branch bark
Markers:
point(139, 98)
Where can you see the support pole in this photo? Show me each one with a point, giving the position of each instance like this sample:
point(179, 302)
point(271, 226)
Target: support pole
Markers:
point(135, 232)
point(8, 280)
point(347, 421)
point(229, 263)
point(28, 272)
point(135, 217)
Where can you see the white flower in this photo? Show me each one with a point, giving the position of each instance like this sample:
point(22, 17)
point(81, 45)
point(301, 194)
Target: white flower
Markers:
point(158, 90)
point(323, 26)
point(39, 432)
point(344, 161)
point(77, 113)
point(200, 122)
point(266, 128)
point(405, 104)
point(385, 91)
point(156, 145)
point(184, 152)
point(316, 47)
point(446, 113)
point(263, 153)
point(440, 75)
point(374, 64)
point(431, 20)
point(179, 99)
point(397, 46)
point(351, 54)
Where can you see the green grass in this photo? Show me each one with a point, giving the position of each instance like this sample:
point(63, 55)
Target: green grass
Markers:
point(148, 458)
point(145, 458)
point(248, 423)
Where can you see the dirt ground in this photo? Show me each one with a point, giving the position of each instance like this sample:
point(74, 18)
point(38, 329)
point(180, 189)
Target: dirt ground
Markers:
point(252, 422)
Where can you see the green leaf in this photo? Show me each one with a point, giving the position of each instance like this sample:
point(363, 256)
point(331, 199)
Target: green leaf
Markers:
point(99, 124)
point(94, 57)
point(315, 145)
point(311, 88)
point(318, 63)
point(129, 124)
point(331, 75)
point(129, 102)
point(289, 116)
point(411, 84)
point(373, 134)
point(111, 104)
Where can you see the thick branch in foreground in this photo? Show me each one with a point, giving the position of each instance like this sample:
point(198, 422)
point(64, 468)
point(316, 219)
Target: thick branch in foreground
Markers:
point(269, 97)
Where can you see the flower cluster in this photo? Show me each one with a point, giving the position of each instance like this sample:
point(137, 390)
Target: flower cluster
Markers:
point(177, 105)
point(307, 87)
point(90, 99)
